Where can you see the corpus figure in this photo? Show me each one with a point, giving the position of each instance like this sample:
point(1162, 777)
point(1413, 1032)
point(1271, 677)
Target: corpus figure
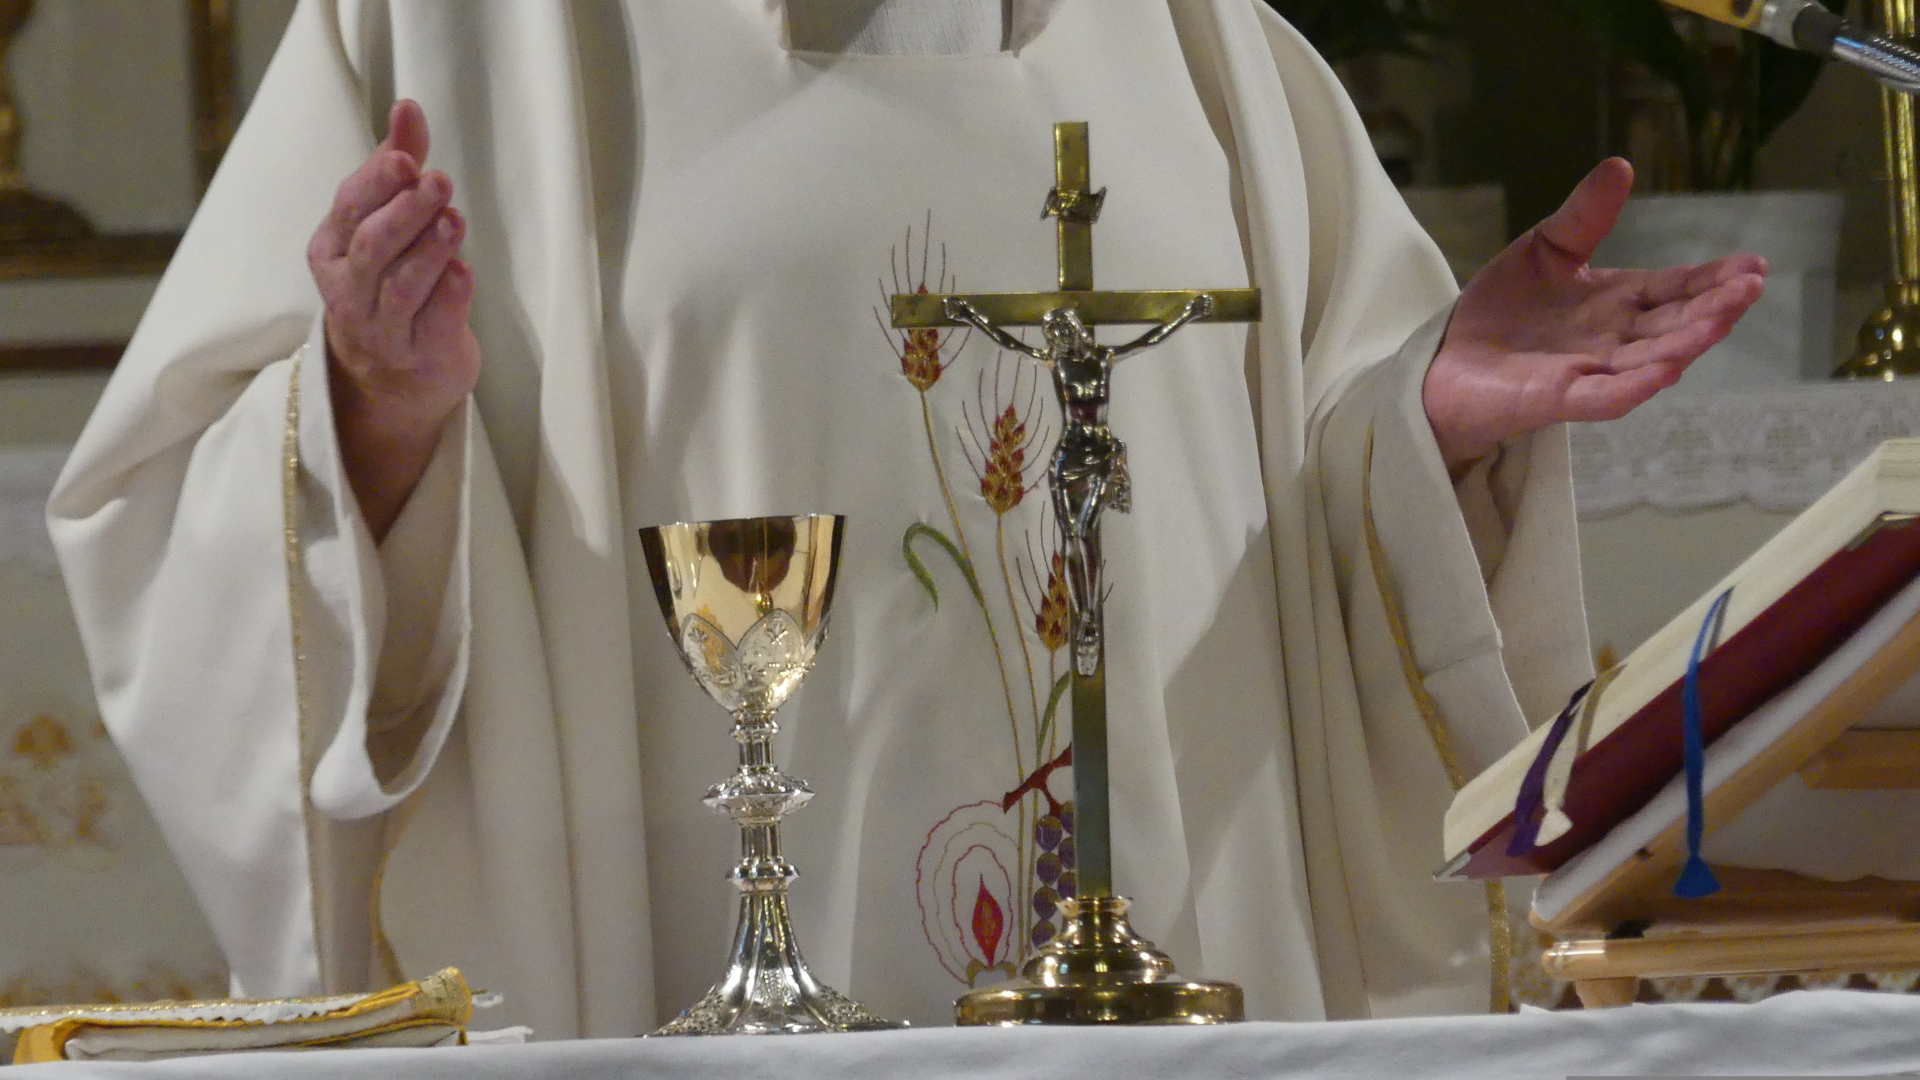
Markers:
point(1089, 471)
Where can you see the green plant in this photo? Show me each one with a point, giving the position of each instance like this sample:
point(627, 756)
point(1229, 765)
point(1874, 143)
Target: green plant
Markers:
point(1345, 29)
point(1735, 94)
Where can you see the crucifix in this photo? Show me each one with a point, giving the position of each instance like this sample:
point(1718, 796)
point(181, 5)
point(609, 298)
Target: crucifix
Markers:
point(1097, 970)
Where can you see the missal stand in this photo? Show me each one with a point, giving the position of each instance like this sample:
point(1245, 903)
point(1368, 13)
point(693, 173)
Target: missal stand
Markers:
point(1792, 681)
point(1629, 925)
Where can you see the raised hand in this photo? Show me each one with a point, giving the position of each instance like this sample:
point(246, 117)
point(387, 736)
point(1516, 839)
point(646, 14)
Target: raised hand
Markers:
point(1541, 337)
point(400, 356)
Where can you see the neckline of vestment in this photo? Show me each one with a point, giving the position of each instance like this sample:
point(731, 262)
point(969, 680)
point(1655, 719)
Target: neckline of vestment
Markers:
point(771, 19)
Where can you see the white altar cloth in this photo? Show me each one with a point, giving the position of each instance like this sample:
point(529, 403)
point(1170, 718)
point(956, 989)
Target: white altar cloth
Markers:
point(1779, 448)
point(1809, 1033)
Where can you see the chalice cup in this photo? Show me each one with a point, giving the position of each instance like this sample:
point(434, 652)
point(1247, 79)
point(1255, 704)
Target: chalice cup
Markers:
point(746, 602)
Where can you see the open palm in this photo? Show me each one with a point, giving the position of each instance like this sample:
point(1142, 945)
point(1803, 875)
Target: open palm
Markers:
point(1540, 337)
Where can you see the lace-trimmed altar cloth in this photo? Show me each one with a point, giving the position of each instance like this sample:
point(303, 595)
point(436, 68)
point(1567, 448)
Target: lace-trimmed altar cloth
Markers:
point(1779, 449)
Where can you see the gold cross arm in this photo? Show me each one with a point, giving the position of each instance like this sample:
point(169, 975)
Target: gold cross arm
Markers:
point(1075, 206)
point(913, 310)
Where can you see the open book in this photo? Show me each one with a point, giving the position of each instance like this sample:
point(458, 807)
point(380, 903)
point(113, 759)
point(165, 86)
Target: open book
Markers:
point(1790, 607)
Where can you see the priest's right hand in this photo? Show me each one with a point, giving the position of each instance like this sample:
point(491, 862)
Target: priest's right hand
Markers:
point(400, 355)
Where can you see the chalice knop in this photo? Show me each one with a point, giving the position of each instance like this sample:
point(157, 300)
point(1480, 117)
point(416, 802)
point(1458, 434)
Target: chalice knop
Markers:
point(746, 602)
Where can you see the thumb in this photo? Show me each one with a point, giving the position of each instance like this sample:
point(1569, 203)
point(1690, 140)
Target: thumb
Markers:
point(407, 130)
point(1590, 213)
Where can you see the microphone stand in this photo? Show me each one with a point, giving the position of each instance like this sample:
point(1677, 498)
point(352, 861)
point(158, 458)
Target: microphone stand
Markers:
point(1889, 342)
point(1808, 26)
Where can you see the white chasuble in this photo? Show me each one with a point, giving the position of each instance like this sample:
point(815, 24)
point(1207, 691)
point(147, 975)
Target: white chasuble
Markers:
point(477, 737)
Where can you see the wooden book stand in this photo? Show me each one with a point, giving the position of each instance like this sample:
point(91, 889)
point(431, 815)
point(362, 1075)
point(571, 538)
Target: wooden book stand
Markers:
point(1629, 926)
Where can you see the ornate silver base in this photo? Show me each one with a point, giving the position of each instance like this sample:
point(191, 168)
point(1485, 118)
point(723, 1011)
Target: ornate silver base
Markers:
point(746, 602)
point(767, 989)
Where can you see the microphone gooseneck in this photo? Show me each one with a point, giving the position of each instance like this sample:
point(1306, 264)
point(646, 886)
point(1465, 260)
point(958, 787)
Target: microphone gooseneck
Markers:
point(1808, 26)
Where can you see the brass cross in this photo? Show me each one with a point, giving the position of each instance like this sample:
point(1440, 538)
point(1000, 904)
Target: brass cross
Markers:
point(1076, 206)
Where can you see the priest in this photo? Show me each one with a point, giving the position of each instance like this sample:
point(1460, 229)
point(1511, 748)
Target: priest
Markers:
point(351, 536)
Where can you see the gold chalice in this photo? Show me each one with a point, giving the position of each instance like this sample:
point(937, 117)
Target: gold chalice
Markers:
point(746, 602)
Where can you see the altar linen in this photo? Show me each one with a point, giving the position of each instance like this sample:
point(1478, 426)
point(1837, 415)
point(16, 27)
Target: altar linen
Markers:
point(431, 1012)
point(683, 232)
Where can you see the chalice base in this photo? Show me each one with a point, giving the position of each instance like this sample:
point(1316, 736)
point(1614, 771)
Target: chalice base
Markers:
point(767, 989)
point(1098, 971)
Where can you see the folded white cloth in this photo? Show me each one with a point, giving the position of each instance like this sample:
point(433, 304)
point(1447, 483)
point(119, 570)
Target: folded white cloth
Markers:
point(431, 1012)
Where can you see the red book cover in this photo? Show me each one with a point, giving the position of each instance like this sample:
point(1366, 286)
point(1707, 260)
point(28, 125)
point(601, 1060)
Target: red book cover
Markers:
point(1621, 772)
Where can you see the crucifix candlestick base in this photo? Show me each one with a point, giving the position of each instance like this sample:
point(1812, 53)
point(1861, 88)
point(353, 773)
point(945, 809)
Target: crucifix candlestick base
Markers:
point(1097, 971)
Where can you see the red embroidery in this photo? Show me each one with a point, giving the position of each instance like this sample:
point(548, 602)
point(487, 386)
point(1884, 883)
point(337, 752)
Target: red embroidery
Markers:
point(989, 922)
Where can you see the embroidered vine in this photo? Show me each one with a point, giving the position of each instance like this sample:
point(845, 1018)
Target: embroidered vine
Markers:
point(992, 872)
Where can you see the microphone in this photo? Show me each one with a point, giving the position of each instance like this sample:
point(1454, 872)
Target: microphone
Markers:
point(1808, 26)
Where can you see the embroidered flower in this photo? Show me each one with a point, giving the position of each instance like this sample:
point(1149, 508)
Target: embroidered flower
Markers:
point(998, 451)
point(989, 924)
point(1004, 484)
point(964, 879)
point(1053, 618)
point(922, 352)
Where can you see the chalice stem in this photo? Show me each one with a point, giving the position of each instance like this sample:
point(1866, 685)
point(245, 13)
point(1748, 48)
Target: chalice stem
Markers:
point(766, 963)
point(767, 987)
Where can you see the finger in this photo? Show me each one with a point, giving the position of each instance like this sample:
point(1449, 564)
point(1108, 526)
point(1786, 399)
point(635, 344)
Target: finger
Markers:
point(390, 231)
point(383, 175)
point(407, 130)
point(1609, 397)
point(1589, 214)
point(414, 275)
point(1736, 296)
point(444, 315)
point(1685, 344)
point(1657, 287)
point(393, 165)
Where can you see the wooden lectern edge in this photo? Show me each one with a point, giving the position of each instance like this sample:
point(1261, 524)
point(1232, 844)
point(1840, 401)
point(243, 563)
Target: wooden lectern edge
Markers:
point(1642, 886)
point(1833, 950)
point(1872, 760)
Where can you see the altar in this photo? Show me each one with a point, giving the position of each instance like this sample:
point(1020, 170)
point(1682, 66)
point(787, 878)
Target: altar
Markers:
point(1675, 494)
point(1808, 1033)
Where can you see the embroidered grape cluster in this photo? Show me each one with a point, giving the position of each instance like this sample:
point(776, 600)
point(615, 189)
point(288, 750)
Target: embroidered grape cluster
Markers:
point(1053, 835)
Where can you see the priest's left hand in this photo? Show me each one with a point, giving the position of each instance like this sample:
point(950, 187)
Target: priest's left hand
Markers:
point(1540, 337)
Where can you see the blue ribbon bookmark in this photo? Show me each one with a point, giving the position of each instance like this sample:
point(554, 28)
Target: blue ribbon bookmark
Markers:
point(1696, 878)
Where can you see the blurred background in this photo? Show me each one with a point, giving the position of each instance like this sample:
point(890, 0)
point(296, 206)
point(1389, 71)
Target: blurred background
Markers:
point(1486, 113)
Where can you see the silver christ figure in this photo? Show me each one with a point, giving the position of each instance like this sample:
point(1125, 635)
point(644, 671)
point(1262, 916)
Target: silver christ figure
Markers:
point(1089, 470)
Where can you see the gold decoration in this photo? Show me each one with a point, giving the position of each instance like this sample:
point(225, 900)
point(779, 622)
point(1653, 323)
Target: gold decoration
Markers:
point(41, 236)
point(43, 740)
point(83, 987)
point(51, 797)
point(1889, 344)
point(26, 217)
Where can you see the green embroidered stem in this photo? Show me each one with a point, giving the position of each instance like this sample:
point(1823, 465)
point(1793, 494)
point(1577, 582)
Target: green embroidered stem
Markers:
point(1041, 742)
point(966, 552)
point(921, 529)
point(1029, 855)
point(1019, 630)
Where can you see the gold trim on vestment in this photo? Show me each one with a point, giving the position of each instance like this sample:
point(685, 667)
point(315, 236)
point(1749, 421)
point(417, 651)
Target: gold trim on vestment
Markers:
point(380, 945)
point(383, 951)
point(296, 618)
point(1499, 930)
